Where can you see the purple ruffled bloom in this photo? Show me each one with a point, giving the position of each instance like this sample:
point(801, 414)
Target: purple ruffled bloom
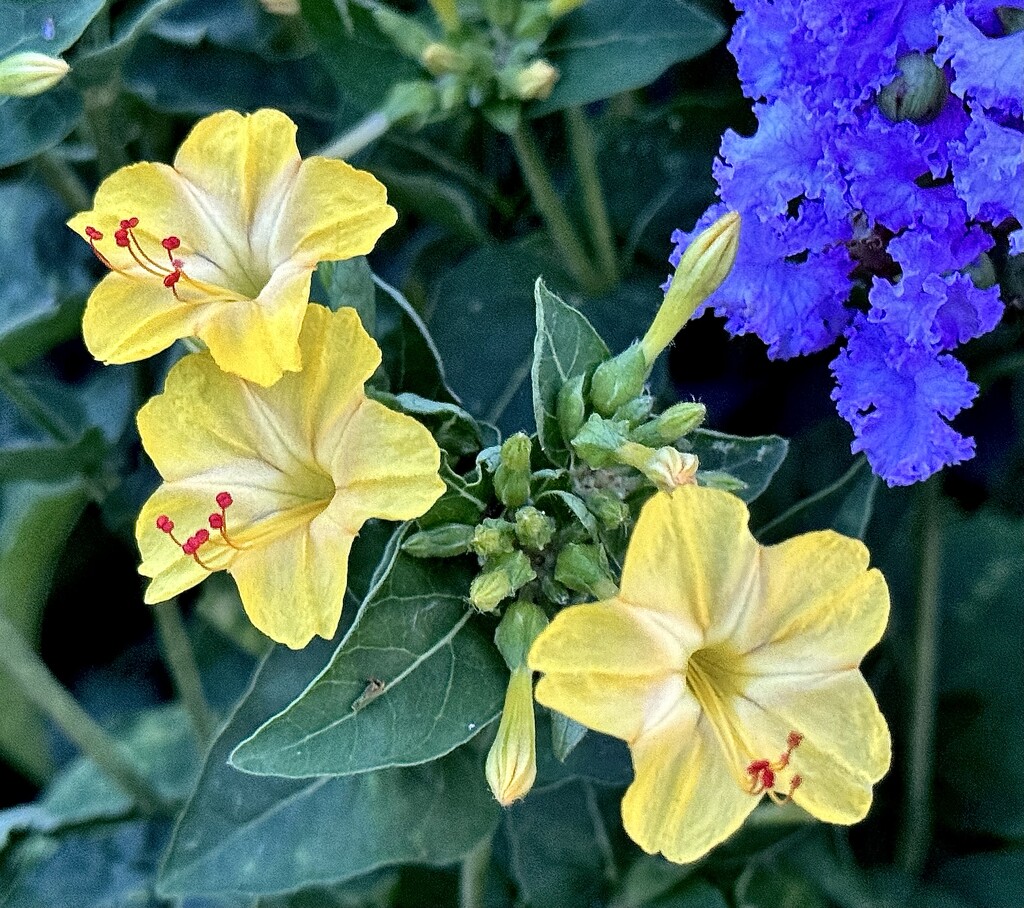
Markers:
point(871, 166)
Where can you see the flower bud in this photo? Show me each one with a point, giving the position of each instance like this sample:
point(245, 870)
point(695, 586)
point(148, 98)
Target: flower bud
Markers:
point(534, 529)
point(440, 59)
point(535, 82)
point(447, 12)
point(511, 767)
point(919, 93)
point(520, 626)
point(444, 541)
point(704, 265)
point(584, 568)
point(29, 73)
point(408, 35)
point(570, 408)
point(411, 103)
point(666, 467)
point(599, 439)
point(512, 478)
point(635, 411)
point(668, 427)
point(493, 537)
point(608, 508)
point(281, 7)
point(503, 577)
point(618, 380)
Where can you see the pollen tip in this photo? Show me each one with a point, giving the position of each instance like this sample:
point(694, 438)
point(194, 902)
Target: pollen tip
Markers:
point(794, 740)
point(201, 536)
point(163, 522)
point(756, 767)
point(170, 242)
point(795, 783)
point(217, 521)
point(224, 499)
point(171, 279)
point(189, 546)
point(121, 237)
point(93, 233)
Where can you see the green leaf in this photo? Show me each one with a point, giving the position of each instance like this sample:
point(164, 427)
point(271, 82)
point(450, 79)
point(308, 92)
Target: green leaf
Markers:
point(559, 844)
point(566, 345)
point(363, 62)
point(435, 197)
point(46, 26)
point(610, 46)
point(566, 734)
point(465, 500)
point(33, 125)
point(350, 283)
point(649, 877)
point(35, 523)
point(988, 880)
point(415, 637)
point(242, 834)
point(751, 460)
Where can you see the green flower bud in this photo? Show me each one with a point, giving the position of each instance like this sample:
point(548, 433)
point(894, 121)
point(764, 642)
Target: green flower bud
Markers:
point(570, 408)
point(281, 7)
point(584, 568)
point(704, 265)
point(599, 439)
point(503, 577)
point(493, 537)
point(618, 380)
point(511, 767)
point(534, 529)
point(442, 541)
point(411, 38)
point(718, 479)
point(411, 103)
point(29, 73)
point(520, 626)
point(440, 59)
point(512, 478)
point(608, 508)
point(501, 13)
point(535, 82)
point(635, 411)
point(919, 93)
point(670, 426)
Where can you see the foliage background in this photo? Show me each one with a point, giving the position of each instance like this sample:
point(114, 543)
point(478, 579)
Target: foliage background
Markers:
point(947, 829)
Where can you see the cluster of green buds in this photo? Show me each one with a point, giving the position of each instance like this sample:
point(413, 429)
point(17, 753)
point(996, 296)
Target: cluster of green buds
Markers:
point(548, 531)
point(484, 54)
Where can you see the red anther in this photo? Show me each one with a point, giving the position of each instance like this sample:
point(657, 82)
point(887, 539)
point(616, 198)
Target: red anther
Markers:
point(794, 739)
point(129, 223)
point(93, 233)
point(757, 767)
point(217, 521)
point(121, 238)
point(201, 536)
point(172, 278)
point(189, 546)
point(795, 783)
point(767, 778)
point(163, 522)
point(224, 499)
point(170, 242)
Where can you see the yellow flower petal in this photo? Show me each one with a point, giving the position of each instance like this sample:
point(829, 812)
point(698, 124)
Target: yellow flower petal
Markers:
point(821, 608)
point(685, 798)
point(306, 462)
point(692, 556)
point(399, 487)
point(293, 587)
point(334, 212)
point(846, 746)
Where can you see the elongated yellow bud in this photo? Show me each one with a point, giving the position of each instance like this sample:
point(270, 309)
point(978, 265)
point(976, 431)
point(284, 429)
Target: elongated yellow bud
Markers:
point(705, 264)
point(29, 73)
point(512, 761)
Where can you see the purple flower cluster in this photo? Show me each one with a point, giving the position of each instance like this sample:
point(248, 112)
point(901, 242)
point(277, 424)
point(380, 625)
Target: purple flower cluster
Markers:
point(888, 160)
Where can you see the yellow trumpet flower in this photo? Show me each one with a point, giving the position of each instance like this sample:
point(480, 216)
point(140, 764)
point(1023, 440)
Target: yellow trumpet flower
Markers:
point(222, 245)
point(730, 669)
point(273, 484)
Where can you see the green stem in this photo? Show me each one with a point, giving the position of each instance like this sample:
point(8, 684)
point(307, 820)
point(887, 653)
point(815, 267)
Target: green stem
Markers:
point(550, 206)
point(181, 661)
point(915, 836)
point(583, 155)
point(366, 131)
point(46, 693)
point(473, 875)
point(44, 418)
point(62, 179)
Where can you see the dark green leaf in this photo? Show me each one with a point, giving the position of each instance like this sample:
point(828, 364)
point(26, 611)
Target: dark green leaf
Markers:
point(350, 283)
point(415, 637)
point(244, 834)
point(46, 26)
point(566, 345)
point(566, 733)
point(435, 197)
point(649, 877)
point(32, 125)
point(609, 46)
point(751, 460)
point(35, 523)
point(465, 500)
point(991, 880)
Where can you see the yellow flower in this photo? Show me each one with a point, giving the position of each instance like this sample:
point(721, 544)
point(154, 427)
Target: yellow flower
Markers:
point(222, 245)
point(273, 484)
point(730, 669)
